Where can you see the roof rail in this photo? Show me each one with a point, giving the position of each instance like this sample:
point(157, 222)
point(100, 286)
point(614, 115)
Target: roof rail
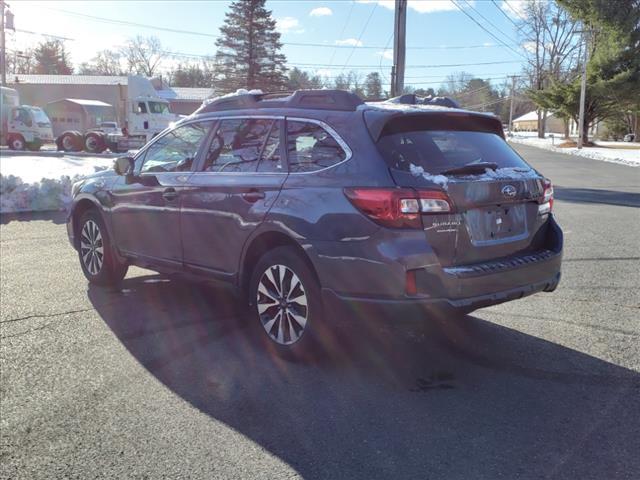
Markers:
point(316, 99)
point(413, 99)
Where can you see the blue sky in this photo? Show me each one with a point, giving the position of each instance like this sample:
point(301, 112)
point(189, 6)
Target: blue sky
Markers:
point(364, 26)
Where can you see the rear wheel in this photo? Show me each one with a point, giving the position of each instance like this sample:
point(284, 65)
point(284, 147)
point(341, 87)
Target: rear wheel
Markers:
point(94, 142)
point(16, 142)
point(286, 303)
point(98, 262)
point(71, 141)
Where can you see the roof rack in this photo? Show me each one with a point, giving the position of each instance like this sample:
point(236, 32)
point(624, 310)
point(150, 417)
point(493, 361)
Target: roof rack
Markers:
point(413, 99)
point(317, 99)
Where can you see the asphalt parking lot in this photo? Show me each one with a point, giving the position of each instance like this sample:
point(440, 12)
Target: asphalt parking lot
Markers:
point(165, 379)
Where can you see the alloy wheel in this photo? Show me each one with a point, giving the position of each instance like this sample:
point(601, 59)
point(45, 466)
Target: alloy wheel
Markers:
point(282, 304)
point(92, 247)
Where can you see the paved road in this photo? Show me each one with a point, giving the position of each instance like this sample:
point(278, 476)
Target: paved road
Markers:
point(163, 379)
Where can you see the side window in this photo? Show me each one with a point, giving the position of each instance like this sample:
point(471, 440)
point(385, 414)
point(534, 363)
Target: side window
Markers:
point(142, 107)
point(271, 157)
point(310, 147)
point(175, 151)
point(237, 144)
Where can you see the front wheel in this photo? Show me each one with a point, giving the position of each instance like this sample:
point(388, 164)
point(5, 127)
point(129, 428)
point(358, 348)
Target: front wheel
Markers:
point(98, 262)
point(286, 303)
point(16, 142)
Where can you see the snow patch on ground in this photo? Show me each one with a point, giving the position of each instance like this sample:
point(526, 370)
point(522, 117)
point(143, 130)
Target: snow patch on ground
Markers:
point(32, 183)
point(624, 156)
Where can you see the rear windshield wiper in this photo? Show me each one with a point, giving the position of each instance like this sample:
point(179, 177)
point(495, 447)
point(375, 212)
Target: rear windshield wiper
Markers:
point(478, 167)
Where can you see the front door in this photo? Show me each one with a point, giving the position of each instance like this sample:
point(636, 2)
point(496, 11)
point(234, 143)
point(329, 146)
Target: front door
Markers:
point(238, 181)
point(146, 213)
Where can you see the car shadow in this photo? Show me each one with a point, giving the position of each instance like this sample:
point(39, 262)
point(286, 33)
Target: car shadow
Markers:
point(594, 195)
point(390, 398)
point(57, 217)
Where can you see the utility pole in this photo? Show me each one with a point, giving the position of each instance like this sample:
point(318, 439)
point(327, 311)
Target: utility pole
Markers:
point(3, 55)
point(583, 91)
point(399, 48)
point(513, 92)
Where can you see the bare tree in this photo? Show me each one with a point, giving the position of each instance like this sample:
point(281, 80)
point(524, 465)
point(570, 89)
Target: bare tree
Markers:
point(143, 55)
point(106, 62)
point(549, 39)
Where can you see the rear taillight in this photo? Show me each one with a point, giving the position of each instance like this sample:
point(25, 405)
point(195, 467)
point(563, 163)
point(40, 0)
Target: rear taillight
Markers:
point(398, 207)
point(546, 200)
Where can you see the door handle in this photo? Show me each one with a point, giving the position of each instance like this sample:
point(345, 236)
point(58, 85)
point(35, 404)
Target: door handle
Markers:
point(170, 194)
point(253, 196)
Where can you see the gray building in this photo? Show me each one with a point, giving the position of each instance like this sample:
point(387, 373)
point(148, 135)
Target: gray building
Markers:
point(39, 90)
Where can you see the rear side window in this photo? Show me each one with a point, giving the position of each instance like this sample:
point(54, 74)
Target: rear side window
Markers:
point(237, 144)
point(310, 147)
point(438, 150)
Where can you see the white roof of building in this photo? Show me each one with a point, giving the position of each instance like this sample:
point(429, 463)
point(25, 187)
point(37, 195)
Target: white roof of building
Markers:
point(67, 79)
point(531, 116)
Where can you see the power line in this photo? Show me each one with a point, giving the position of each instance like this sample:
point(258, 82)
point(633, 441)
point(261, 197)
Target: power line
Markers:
point(412, 66)
point(44, 34)
point(506, 3)
point(485, 29)
point(489, 22)
point(344, 27)
point(495, 4)
point(364, 29)
point(292, 44)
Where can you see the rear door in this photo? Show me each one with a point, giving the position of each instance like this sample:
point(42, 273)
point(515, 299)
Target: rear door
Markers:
point(237, 182)
point(494, 192)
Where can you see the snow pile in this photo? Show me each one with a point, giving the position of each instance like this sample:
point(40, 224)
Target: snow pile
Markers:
point(508, 173)
point(32, 183)
point(48, 194)
point(240, 91)
point(625, 154)
point(417, 171)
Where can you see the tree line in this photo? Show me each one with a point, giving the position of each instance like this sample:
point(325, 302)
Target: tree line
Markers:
point(553, 34)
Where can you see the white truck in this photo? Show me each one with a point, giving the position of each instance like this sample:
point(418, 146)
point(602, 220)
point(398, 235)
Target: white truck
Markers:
point(22, 126)
point(146, 115)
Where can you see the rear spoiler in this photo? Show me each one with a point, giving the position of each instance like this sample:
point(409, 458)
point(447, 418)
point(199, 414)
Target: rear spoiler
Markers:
point(384, 122)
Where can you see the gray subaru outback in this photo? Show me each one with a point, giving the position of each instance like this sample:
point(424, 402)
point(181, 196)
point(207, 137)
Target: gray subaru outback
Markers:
point(315, 200)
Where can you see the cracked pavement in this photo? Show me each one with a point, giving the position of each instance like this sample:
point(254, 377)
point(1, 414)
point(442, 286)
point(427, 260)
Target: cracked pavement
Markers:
point(165, 379)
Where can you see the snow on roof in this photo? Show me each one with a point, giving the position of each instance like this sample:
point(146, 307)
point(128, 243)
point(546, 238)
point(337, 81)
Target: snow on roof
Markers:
point(531, 116)
point(185, 94)
point(67, 79)
point(88, 103)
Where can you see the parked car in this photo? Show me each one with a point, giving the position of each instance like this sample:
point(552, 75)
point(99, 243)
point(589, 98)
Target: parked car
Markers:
point(316, 201)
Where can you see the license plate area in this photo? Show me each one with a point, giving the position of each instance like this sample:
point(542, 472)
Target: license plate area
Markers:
point(496, 224)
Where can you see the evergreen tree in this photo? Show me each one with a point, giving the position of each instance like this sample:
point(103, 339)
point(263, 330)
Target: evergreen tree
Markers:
point(249, 47)
point(301, 80)
point(373, 86)
point(52, 58)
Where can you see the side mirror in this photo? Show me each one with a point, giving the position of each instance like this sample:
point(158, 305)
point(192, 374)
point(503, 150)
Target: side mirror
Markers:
point(123, 165)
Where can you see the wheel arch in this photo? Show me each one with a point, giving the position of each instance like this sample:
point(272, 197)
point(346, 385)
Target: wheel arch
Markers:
point(263, 243)
point(79, 209)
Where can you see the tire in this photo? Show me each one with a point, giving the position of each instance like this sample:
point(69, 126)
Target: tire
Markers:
point(98, 262)
point(34, 146)
point(300, 335)
point(71, 141)
point(94, 142)
point(16, 142)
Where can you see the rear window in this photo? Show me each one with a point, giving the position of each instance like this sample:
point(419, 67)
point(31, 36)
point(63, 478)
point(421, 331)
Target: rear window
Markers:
point(438, 150)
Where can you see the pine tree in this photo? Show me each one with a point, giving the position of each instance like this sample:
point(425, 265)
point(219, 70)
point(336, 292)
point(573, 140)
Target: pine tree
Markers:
point(249, 47)
point(373, 86)
point(52, 58)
